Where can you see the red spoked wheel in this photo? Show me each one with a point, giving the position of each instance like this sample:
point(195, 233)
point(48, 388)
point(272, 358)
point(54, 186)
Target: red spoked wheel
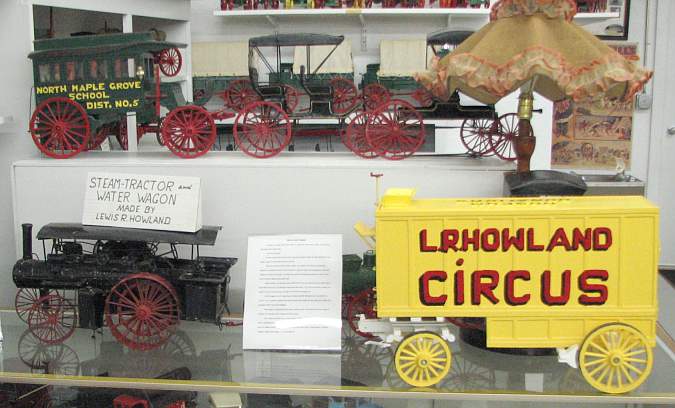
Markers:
point(262, 129)
point(395, 130)
point(423, 97)
point(142, 311)
point(345, 96)
point(188, 131)
point(502, 140)
point(475, 135)
point(291, 97)
point(27, 299)
point(60, 127)
point(101, 135)
point(170, 61)
point(240, 93)
point(375, 95)
point(53, 319)
point(355, 137)
point(362, 304)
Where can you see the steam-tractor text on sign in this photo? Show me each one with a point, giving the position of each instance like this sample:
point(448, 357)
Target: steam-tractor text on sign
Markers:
point(119, 95)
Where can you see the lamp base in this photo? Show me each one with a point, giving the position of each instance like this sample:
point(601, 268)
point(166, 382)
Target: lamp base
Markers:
point(543, 182)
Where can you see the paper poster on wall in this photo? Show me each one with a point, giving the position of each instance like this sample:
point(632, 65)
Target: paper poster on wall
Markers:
point(593, 136)
point(168, 203)
point(293, 293)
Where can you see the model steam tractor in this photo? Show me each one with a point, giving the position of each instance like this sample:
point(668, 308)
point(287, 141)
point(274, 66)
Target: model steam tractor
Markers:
point(578, 274)
point(85, 86)
point(133, 280)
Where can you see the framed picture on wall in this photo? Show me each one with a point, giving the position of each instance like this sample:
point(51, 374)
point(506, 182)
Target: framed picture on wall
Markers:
point(594, 135)
point(612, 28)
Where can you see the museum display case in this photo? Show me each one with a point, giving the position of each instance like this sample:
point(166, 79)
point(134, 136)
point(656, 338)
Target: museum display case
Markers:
point(461, 306)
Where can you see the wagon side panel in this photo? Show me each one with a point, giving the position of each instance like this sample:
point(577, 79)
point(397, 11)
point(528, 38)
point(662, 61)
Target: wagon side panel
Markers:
point(392, 265)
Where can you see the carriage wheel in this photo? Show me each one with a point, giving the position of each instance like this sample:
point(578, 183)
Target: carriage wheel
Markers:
point(170, 61)
point(27, 299)
point(142, 311)
point(291, 98)
point(475, 135)
point(188, 131)
point(615, 358)
point(240, 93)
point(423, 97)
point(354, 138)
point(375, 95)
point(423, 359)
point(345, 95)
point(395, 130)
point(362, 304)
point(101, 135)
point(60, 127)
point(262, 129)
point(502, 140)
point(53, 319)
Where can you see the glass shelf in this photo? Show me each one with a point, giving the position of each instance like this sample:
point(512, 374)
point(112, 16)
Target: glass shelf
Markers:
point(201, 357)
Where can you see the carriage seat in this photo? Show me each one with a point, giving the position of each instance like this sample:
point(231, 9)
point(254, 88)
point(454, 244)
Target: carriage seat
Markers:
point(318, 89)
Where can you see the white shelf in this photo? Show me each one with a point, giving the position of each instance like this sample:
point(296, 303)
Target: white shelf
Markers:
point(404, 12)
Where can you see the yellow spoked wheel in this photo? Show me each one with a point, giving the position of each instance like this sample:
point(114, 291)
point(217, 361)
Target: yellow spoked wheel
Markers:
point(423, 359)
point(615, 358)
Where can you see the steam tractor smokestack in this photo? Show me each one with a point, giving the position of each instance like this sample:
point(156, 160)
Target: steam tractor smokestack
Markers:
point(27, 241)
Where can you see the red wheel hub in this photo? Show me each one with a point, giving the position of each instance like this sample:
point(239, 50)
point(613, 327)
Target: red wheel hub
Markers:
point(143, 312)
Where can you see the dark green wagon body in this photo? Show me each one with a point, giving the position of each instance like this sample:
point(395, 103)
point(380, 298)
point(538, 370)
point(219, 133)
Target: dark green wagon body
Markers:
point(94, 71)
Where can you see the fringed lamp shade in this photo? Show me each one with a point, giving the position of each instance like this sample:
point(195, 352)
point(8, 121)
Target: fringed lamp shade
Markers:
point(534, 45)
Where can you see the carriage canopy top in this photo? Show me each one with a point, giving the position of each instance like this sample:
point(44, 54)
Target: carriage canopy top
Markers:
point(292, 40)
point(452, 37)
point(205, 236)
point(118, 44)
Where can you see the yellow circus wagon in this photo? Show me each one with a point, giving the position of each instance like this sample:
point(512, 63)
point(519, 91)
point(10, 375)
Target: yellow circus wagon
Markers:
point(574, 273)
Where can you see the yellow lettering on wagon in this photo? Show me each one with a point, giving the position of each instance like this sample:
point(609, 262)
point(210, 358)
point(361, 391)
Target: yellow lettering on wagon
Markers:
point(88, 87)
point(51, 89)
point(122, 86)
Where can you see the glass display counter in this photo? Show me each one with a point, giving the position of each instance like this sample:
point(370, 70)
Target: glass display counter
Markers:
point(205, 359)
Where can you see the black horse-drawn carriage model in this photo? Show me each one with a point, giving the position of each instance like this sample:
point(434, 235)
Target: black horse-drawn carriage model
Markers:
point(132, 280)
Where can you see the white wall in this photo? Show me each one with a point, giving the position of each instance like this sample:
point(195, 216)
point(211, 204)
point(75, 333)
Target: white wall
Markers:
point(300, 193)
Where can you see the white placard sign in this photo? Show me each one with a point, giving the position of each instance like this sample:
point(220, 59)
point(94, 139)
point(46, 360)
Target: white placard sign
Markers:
point(293, 293)
point(166, 203)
